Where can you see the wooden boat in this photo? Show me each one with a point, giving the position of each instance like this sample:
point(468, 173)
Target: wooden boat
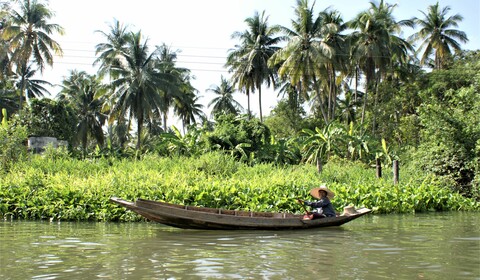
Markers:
point(193, 217)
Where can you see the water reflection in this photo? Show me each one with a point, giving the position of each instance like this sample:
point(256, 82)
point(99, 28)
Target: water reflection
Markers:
point(428, 246)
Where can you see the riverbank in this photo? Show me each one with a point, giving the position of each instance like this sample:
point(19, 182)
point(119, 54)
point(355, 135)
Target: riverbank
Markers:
point(79, 190)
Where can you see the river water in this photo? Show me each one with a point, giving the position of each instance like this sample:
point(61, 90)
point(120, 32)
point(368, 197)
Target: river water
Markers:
point(421, 246)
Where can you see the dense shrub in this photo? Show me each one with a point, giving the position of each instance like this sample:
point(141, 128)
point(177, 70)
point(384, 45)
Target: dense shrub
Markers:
point(242, 136)
point(12, 143)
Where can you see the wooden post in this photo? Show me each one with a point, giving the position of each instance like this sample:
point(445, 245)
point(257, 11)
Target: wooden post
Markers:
point(379, 168)
point(395, 172)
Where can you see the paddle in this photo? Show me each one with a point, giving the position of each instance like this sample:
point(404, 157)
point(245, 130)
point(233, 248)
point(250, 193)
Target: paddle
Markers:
point(308, 215)
point(303, 206)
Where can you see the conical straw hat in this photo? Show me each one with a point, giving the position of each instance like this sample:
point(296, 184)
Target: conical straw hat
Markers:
point(314, 192)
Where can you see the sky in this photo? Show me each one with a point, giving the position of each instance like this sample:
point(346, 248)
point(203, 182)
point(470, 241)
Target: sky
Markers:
point(201, 31)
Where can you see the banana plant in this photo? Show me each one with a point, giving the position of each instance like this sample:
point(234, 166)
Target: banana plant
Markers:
point(385, 153)
point(358, 143)
point(284, 150)
point(240, 149)
point(320, 145)
point(179, 144)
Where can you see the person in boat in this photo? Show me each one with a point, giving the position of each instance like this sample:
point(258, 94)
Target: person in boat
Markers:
point(322, 206)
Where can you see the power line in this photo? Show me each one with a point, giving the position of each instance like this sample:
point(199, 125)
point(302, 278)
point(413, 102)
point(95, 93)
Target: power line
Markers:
point(191, 69)
point(178, 54)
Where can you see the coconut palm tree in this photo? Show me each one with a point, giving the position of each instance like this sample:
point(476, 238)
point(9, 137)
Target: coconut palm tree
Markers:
point(438, 36)
point(29, 33)
point(180, 77)
point(139, 83)
point(257, 45)
point(142, 82)
point(188, 109)
point(241, 77)
point(33, 87)
point(347, 107)
point(8, 99)
point(5, 52)
point(110, 52)
point(331, 33)
point(293, 98)
point(375, 46)
point(224, 103)
point(187, 105)
point(85, 93)
point(301, 60)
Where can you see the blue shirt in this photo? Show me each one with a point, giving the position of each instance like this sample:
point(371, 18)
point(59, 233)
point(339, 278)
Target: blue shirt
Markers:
point(324, 204)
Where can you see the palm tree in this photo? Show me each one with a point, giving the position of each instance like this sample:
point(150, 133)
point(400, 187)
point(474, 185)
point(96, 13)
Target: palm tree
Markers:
point(180, 77)
point(33, 87)
point(110, 52)
point(29, 37)
point(301, 59)
point(347, 107)
point(8, 99)
point(375, 46)
point(138, 83)
point(437, 35)
point(224, 103)
point(84, 92)
point(332, 34)
point(135, 81)
point(5, 52)
point(241, 77)
point(110, 55)
point(258, 44)
point(187, 108)
point(293, 99)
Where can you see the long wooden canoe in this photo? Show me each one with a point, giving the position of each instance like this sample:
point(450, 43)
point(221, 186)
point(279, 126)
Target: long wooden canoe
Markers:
point(193, 217)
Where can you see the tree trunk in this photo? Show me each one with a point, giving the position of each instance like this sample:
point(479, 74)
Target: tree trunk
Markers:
point(139, 132)
point(248, 104)
point(329, 99)
point(164, 121)
point(84, 144)
point(375, 104)
point(260, 101)
point(334, 94)
point(364, 106)
point(320, 101)
point(378, 165)
point(22, 93)
point(356, 85)
point(319, 165)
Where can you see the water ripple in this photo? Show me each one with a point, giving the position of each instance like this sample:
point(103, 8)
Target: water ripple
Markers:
point(375, 247)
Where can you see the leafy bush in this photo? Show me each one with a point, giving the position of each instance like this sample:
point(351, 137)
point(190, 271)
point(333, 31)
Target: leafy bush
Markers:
point(46, 117)
point(449, 139)
point(12, 143)
point(239, 135)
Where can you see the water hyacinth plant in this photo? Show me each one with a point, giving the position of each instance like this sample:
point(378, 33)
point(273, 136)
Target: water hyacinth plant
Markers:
point(63, 188)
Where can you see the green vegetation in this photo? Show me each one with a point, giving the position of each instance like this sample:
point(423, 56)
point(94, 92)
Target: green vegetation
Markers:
point(354, 94)
point(67, 189)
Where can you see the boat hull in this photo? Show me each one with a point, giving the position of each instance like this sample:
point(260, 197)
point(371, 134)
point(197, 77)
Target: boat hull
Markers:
point(192, 217)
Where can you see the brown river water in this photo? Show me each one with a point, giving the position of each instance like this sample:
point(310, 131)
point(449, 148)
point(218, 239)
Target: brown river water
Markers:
point(421, 246)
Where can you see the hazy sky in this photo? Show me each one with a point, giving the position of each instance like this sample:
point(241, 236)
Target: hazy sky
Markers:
point(202, 30)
